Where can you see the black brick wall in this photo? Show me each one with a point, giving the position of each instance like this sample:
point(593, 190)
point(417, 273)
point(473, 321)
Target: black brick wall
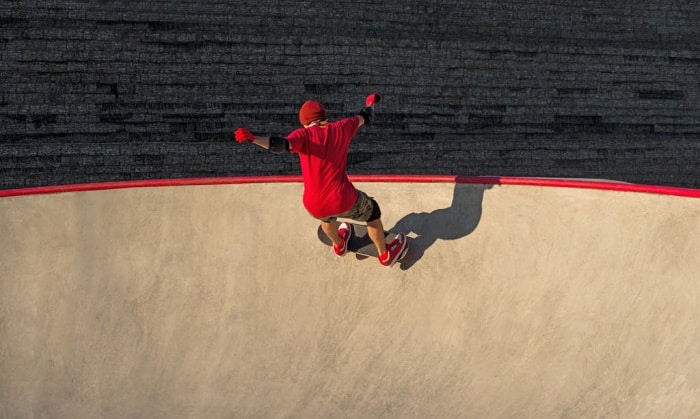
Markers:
point(100, 91)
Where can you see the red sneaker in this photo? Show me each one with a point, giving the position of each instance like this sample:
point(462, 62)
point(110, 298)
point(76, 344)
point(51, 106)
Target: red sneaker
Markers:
point(344, 231)
point(395, 250)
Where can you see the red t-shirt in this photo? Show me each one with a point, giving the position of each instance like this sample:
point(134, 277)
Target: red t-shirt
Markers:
point(323, 155)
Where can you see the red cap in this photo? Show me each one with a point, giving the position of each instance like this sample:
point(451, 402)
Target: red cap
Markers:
point(311, 111)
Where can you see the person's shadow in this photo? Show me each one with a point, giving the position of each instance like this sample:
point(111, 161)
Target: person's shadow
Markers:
point(457, 221)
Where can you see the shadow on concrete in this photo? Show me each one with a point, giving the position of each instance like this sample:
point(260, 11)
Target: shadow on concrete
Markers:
point(454, 222)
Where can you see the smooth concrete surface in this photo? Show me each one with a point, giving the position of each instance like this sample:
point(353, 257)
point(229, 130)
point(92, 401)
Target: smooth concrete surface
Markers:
point(220, 302)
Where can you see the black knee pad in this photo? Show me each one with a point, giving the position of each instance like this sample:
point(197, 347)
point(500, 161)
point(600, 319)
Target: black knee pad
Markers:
point(376, 211)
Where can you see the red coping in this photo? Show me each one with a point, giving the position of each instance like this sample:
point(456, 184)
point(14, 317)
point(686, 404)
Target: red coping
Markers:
point(488, 180)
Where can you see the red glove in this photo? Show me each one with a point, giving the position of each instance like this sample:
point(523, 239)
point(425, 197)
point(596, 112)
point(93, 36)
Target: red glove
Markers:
point(243, 135)
point(372, 99)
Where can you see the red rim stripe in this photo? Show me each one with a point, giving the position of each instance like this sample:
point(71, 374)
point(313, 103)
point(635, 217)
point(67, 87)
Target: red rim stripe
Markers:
point(487, 180)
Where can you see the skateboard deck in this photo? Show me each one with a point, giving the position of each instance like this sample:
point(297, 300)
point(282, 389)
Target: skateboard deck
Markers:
point(360, 242)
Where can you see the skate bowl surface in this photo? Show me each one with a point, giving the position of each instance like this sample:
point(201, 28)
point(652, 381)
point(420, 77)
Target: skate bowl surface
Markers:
point(218, 301)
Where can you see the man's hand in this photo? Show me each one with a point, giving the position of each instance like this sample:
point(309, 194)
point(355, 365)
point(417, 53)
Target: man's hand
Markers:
point(372, 99)
point(367, 114)
point(242, 135)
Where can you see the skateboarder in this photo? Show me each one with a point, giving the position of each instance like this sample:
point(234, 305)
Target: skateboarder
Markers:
point(322, 147)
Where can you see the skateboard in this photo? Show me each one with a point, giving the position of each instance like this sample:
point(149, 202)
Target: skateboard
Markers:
point(360, 242)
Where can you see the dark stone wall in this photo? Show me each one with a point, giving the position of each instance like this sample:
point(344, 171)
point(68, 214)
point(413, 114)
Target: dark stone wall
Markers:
point(123, 90)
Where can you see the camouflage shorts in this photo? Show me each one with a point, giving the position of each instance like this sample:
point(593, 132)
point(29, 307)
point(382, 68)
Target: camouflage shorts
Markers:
point(362, 210)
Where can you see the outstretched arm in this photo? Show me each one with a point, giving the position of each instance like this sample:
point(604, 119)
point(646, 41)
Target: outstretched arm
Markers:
point(274, 144)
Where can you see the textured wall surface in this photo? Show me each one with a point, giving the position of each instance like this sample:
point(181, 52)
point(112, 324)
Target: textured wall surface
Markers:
point(93, 91)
